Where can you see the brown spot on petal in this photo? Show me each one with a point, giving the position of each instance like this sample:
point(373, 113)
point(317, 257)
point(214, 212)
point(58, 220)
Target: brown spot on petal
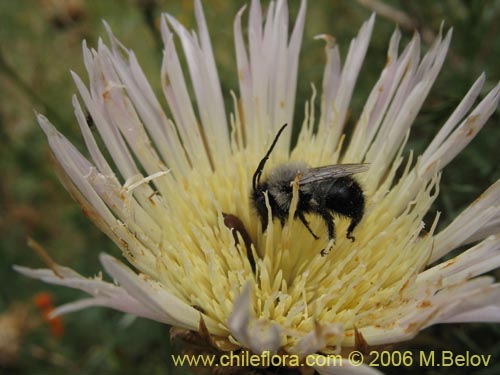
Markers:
point(449, 263)
point(417, 326)
point(205, 144)
point(424, 304)
point(166, 80)
point(413, 327)
point(472, 119)
point(470, 124)
point(330, 41)
point(151, 196)
point(86, 213)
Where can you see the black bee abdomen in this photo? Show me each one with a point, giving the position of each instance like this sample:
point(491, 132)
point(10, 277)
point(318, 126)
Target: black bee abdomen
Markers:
point(345, 197)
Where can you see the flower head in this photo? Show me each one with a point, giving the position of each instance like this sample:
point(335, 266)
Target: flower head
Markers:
point(173, 192)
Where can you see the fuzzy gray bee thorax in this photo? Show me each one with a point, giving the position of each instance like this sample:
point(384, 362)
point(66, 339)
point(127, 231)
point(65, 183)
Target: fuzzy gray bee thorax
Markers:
point(280, 182)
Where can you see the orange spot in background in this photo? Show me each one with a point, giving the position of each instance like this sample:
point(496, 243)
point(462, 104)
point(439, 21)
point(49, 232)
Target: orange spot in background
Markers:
point(45, 303)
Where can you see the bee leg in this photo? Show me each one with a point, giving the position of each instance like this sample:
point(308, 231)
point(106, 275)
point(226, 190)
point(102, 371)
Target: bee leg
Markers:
point(354, 222)
point(327, 217)
point(328, 248)
point(306, 224)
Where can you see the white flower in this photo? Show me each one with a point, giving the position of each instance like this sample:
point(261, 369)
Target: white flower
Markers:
point(162, 192)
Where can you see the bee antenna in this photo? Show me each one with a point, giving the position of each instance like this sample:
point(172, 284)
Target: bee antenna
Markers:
point(260, 168)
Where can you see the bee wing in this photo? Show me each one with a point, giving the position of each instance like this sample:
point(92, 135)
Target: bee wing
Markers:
point(331, 171)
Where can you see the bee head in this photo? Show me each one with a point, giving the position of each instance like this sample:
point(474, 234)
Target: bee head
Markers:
point(259, 202)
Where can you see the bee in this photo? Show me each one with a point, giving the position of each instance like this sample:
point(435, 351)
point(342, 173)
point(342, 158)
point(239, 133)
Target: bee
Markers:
point(324, 191)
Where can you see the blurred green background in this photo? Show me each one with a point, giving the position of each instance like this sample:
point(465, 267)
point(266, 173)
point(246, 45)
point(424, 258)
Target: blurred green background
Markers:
point(40, 41)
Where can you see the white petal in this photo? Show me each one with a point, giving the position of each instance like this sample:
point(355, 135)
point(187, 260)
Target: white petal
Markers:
point(463, 134)
point(268, 72)
point(259, 336)
point(93, 99)
point(146, 104)
point(457, 115)
point(239, 320)
point(244, 73)
point(206, 86)
point(90, 141)
point(334, 111)
point(479, 259)
point(105, 294)
point(102, 193)
point(406, 104)
point(318, 339)
point(293, 59)
point(484, 314)
point(476, 222)
point(379, 100)
point(176, 92)
point(469, 305)
point(156, 298)
point(75, 166)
